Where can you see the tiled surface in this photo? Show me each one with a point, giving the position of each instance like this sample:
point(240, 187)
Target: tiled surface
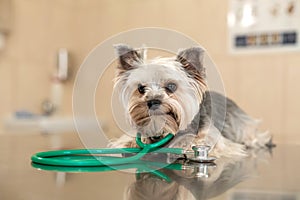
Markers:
point(292, 109)
point(260, 91)
point(6, 86)
point(264, 85)
point(29, 91)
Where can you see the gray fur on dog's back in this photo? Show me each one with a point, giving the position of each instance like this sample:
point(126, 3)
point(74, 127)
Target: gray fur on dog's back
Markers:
point(226, 116)
point(220, 111)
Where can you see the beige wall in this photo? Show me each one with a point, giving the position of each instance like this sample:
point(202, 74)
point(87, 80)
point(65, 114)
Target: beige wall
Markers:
point(265, 85)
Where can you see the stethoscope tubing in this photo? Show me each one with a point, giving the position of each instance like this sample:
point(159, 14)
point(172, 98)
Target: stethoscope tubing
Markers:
point(91, 158)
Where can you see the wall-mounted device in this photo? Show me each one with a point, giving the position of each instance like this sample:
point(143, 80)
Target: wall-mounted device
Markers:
point(62, 64)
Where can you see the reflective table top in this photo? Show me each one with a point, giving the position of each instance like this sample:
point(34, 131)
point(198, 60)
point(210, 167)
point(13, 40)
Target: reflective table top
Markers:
point(263, 175)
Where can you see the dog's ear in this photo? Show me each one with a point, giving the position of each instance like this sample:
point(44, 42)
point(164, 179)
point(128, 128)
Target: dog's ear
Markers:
point(128, 57)
point(192, 61)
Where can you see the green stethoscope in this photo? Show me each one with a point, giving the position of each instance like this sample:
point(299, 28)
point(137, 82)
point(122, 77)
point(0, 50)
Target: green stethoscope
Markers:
point(95, 158)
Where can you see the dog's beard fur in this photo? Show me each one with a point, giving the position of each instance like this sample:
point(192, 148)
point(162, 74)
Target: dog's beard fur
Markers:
point(176, 110)
point(154, 122)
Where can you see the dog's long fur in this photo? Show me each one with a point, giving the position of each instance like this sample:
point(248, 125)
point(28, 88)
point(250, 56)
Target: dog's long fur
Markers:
point(166, 95)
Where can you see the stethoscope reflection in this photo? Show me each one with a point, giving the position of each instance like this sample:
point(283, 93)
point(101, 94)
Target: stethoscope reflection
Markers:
point(196, 180)
point(182, 179)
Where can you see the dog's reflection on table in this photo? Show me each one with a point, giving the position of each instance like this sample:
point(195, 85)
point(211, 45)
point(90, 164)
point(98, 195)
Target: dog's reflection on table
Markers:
point(197, 180)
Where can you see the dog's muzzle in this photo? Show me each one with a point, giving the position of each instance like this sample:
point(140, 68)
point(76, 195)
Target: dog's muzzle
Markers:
point(153, 104)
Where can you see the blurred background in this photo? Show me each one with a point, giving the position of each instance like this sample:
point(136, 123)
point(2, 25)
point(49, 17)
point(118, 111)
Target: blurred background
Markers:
point(37, 36)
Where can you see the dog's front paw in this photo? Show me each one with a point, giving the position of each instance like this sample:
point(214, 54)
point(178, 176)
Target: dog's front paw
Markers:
point(185, 142)
point(219, 145)
point(123, 142)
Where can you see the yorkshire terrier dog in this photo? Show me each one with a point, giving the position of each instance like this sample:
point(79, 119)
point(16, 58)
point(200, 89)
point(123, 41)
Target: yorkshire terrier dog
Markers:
point(170, 95)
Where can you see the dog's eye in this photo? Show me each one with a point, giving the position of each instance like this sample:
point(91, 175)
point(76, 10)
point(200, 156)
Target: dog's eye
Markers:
point(171, 87)
point(141, 88)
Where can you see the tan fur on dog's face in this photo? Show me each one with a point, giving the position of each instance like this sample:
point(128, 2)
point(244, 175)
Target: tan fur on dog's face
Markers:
point(161, 95)
point(161, 120)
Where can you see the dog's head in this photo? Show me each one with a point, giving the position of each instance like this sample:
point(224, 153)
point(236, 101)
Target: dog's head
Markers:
point(161, 95)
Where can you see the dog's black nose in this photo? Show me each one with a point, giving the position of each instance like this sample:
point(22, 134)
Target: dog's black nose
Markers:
point(153, 104)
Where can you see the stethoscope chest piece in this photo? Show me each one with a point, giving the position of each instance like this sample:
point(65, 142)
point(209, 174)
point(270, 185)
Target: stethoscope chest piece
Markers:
point(202, 171)
point(201, 154)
